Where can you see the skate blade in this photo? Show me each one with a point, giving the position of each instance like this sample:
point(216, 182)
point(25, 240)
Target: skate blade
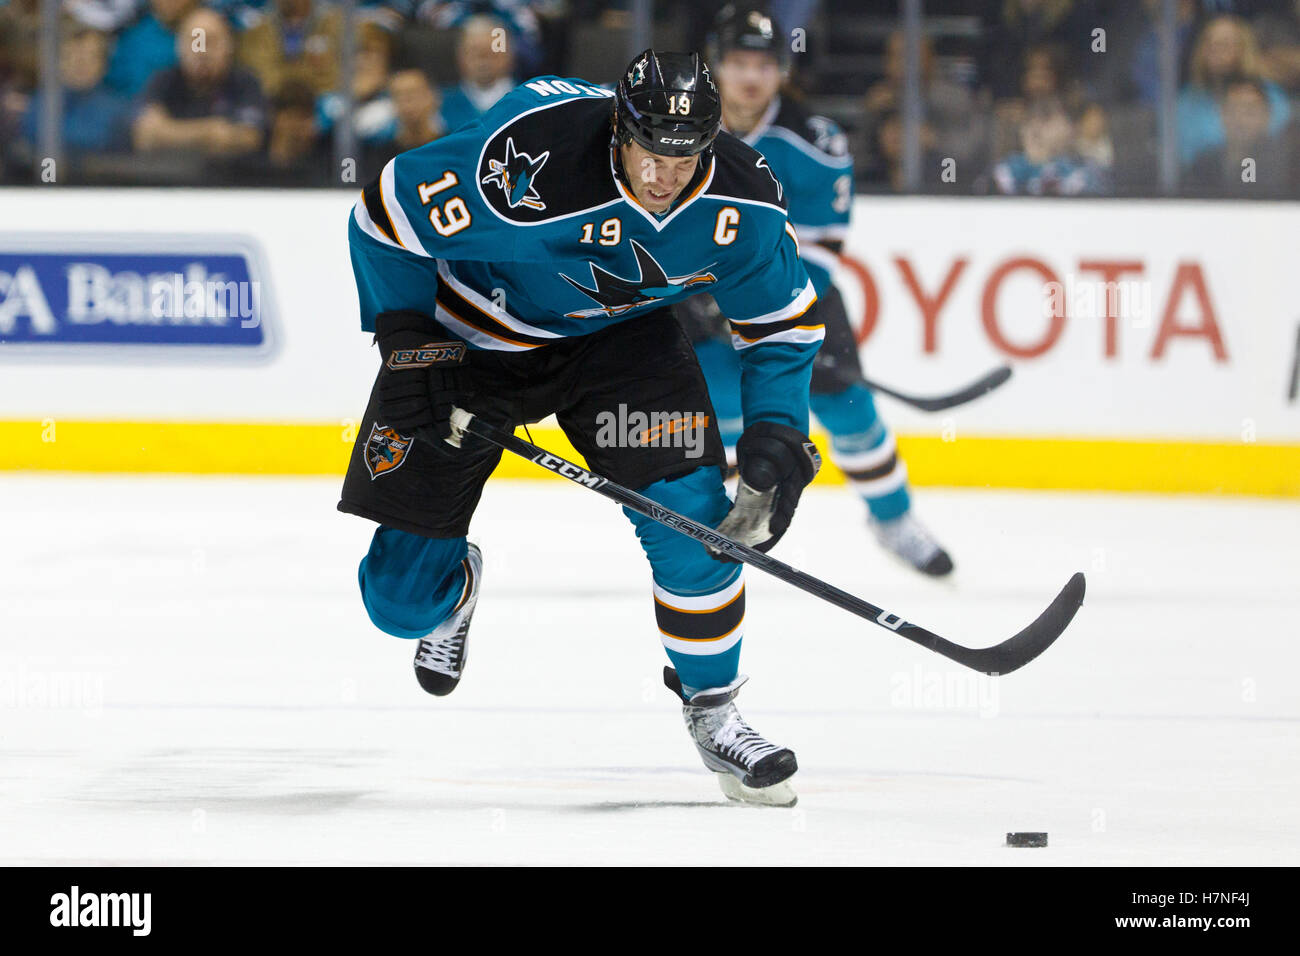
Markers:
point(778, 795)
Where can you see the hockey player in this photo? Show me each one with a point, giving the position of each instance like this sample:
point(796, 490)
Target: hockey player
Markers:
point(522, 266)
point(808, 154)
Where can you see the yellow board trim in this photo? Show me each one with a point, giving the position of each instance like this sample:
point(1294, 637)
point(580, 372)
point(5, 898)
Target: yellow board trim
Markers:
point(274, 448)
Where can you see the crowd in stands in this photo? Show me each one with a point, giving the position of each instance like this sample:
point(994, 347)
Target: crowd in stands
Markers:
point(1040, 97)
point(1065, 99)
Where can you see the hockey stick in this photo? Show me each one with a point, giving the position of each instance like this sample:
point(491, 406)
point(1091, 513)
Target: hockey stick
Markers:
point(938, 403)
point(1010, 655)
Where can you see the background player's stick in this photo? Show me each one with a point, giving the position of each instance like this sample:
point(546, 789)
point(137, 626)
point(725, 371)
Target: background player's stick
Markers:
point(981, 386)
point(1011, 654)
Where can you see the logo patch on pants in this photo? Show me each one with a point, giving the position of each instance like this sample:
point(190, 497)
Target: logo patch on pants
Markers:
point(385, 450)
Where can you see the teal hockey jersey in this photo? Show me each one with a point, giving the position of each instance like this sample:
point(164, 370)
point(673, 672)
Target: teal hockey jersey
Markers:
point(518, 230)
point(810, 156)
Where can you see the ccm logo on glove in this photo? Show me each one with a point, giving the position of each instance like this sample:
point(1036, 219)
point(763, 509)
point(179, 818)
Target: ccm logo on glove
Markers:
point(431, 353)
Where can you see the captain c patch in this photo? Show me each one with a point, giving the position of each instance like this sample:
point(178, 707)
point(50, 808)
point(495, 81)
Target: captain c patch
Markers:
point(385, 450)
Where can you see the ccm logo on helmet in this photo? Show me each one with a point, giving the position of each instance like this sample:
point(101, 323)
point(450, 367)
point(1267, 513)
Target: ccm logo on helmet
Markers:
point(431, 353)
point(672, 141)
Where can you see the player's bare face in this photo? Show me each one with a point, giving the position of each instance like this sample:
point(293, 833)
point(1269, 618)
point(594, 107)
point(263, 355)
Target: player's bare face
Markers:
point(656, 181)
point(747, 81)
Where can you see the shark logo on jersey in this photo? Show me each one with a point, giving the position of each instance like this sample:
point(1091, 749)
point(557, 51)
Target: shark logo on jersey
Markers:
point(616, 295)
point(827, 136)
point(516, 175)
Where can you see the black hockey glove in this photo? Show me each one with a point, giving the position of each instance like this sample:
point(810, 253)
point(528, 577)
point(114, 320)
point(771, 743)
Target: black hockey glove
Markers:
point(420, 378)
point(775, 463)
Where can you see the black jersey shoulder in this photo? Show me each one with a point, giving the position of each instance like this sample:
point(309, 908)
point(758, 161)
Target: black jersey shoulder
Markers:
point(549, 162)
point(742, 172)
point(821, 133)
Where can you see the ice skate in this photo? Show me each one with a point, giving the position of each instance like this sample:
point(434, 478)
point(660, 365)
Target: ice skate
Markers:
point(750, 768)
point(908, 539)
point(440, 658)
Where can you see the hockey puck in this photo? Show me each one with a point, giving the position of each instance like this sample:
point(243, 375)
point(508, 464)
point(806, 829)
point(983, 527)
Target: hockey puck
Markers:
point(1026, 839)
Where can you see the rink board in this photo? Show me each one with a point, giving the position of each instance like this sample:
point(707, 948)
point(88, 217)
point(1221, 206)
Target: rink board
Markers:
point(1156, 346)
point(993, 462)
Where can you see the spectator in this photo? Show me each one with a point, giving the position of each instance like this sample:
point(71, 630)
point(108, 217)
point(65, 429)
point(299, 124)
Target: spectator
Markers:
point(296, 152)
point(147, 46)
point(1225, 48)
point(487, 65)
point(296, 40)
point(205, 104)
point(1279, 34)
point(1047, 164)
point(19, 26)
point(1021, 26)
point(1043, 67)
point(94, 118)
point(20, 30)
point(517, 18)
point(415, 100)
point(1222, 171)
point(949, 107)
point(1092, 140)
point(883, 168)
point(372, 110)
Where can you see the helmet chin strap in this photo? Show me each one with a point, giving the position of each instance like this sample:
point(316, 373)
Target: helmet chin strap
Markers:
point(619, 171)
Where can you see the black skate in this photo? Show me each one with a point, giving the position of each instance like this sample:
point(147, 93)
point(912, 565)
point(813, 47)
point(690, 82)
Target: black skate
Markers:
point(750, 768)
point(911, 541)
point(440, 658)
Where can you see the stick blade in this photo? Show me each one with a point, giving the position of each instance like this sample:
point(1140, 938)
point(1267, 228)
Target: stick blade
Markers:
point(1015, 652)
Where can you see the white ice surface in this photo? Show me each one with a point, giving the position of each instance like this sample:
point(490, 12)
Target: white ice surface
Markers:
point(187, 676)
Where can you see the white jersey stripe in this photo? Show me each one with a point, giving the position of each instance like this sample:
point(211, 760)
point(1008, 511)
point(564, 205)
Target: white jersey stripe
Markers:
point(820, 256)
point(362, 216)
point(490, 308)
point(477, 336)
point(798, 307)
point(699, 602)
point(882, 486)
point(835, 233)
point(405, 234)
point(797, 336)
point(862, 460)
point(704, 648)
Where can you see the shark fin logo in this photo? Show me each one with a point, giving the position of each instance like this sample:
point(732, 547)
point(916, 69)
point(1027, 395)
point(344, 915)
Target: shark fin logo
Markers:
point(516, 176)
point(761, 163)
point(615, 295)
point(636, 75)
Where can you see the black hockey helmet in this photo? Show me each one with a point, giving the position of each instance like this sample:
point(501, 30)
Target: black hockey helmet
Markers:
point(667, 102)
point(741, 27)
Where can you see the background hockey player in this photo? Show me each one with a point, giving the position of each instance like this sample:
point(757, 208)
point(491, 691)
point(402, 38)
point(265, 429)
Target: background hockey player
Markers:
point(809, 156)
point(523, 266)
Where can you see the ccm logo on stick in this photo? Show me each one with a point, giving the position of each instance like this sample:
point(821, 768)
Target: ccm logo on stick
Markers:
point(568, 470)
point(431, 353)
